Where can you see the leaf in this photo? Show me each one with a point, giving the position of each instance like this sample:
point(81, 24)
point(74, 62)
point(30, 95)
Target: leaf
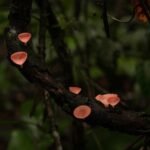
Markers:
point(20, 140)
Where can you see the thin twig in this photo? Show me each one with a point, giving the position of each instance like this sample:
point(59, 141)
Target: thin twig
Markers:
point(103, 4)
point(49, 111)
point(99, 145)
point(51, 119)
point(130, 146)
point(42, 31)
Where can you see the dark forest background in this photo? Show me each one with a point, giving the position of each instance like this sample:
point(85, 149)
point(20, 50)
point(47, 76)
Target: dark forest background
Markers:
point(118, 64)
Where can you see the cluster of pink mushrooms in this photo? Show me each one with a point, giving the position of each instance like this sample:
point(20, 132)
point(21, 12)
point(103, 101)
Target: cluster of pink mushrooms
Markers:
point(83, 111)
point(20, 57)
point(80, 112)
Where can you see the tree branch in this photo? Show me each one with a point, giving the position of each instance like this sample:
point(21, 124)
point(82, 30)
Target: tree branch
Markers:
point(113, 118)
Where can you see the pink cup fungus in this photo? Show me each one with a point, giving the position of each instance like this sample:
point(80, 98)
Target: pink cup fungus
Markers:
point(75, 89)
point(108, 99)
point(82, 112)
point(19, 57)
point(24, 37)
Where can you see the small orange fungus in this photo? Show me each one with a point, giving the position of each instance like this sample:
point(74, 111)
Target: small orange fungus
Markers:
point(75, 89)
point(108, 99)
point(24, 37)
point(140, 14)
point(82, 111)
point(139, 11)
point(19, 58)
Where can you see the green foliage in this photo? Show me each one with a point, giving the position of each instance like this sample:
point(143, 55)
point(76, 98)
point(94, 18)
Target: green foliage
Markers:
point(21, 140)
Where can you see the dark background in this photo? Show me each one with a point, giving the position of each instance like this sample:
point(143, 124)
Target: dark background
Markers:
point(119, 64)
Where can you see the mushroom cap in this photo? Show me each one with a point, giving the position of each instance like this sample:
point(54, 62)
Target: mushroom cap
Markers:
point(75, 89)
point(102, 99)
point(108, 99)
point(19, 58)
point(24, 37)
point(82, 111)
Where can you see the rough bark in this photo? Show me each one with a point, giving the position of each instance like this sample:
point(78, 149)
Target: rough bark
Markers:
point(118, 118)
